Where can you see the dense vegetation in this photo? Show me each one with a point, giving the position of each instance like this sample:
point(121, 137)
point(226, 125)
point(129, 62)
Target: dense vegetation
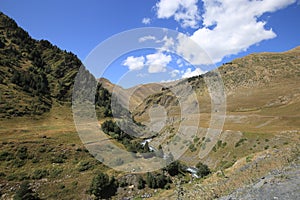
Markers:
point(34, 73)
point(102, 186)
point(131, 143)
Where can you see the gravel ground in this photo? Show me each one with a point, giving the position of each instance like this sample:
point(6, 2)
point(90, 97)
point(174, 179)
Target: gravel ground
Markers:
point(279, 185)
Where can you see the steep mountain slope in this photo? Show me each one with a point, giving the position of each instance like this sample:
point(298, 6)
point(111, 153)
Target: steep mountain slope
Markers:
point(34, 73)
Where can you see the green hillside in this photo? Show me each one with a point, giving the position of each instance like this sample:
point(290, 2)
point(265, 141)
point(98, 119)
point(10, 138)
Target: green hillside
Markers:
point(34, 74)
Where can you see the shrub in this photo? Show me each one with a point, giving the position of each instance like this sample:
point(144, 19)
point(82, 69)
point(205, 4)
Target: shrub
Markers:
point(12, 177)
point(141, 183)
point(18, 163)
point(157, 181)
point(2, 174)
point(249, 158)
point(226, 164)
point(39, 174)
point(25, 193)
point(266, 147)
point(103, 187)
point(214, 149)
point(84, 165)
point(203, 169)
point(240, 142)
point(35, 160)
point(196, 139)
point(175, 168)
point(42, 149)
point(4, 155)
point(54, 173)
point(58, 158)
point(23, 176)
point(22, 153)
point(192, 148)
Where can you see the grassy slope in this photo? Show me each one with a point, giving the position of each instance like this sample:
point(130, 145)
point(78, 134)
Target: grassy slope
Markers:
point(262, 107)
point(262, 110)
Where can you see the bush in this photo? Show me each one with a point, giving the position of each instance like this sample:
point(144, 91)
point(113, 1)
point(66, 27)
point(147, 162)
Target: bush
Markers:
point(54, 173)
point(4, 155)
point(226, 164)
point(39, 174)
point(25, 193)
point(240, 142)
point(12, 177)
point(141, 183)
point(18, 163)
point(249, 158)
point(203, 170)
point(192, 148)
point(157, 181)
point(266, 147)
point(58, 158)
point(196, 139)
point(175, 168)
point(22, 153)
point(2, 174)
point(23, 176)
point(84, 165)
point(103, 187)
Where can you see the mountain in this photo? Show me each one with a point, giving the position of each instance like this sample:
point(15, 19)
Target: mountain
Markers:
point(34, 74)
point(40, 144)
point(255, 82)
point(136, 94)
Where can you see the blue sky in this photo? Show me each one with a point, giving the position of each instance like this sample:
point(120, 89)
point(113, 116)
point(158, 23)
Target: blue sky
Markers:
point(224, 29)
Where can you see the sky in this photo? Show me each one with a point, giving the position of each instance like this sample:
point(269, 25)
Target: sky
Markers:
point(223, 29)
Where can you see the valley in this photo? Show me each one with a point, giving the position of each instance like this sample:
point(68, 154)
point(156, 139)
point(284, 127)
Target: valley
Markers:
point(40, 142)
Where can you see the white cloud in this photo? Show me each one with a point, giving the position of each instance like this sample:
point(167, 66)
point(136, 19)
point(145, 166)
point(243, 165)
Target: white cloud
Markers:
point(184, 11)
point(191, 51)
point(146, 21)
point(142, 75)
point(228, 27)
point(168, 43)
point(237, 26)
point(157, 62)
point(179, 63)
point(146, 38)
point(168, 81)
point(189, 73)
point(174, 73)
point(134, 63)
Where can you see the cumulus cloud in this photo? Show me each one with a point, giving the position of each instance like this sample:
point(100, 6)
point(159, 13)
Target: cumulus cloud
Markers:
point(184, 11)
point(146, 21)
point(174, 73)
point(179, 62)
point(190, 73)
point(228, 27)
point(236, 25)
point(134, 63)
point(157, 62)
point(146, 38)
